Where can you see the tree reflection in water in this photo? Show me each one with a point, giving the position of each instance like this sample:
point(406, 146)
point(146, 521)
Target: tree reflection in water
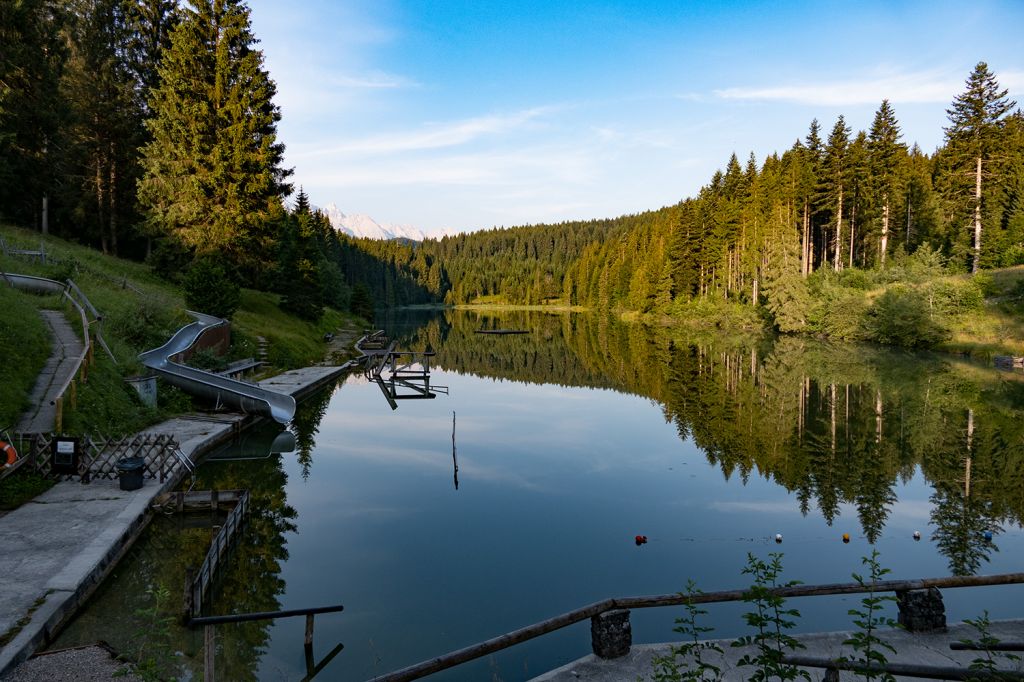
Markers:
point(834, 424)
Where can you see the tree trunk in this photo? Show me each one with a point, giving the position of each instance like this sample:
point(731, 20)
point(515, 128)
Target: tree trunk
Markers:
point(885, 227)
point(101, 203)
point(836, 262)
point(805, 265)
point(977, 215)
point(112, 193)
point(853, 229)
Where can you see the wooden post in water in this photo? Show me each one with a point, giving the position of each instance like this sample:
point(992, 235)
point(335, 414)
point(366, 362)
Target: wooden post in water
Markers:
point(308, 643)
point(209, 674)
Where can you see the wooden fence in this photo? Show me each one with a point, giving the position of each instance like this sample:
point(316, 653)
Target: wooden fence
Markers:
point(98, 457)
point(201, 582)
point(495, 644)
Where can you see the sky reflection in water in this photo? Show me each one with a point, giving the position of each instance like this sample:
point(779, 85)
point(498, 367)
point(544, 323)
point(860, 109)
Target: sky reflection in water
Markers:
point(554, 482)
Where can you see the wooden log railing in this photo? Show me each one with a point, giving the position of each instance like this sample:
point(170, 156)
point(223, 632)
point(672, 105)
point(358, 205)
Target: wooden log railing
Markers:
point(312, 669)
point(495, 644)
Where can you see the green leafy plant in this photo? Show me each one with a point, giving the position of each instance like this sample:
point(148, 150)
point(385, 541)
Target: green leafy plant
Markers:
point(153, 654)
point(869, 619)
point(686, 661)
point(988, 662)
point(771, 619)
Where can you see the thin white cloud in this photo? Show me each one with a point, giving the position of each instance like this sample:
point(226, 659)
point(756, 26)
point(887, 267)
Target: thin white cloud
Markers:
point(926, 87)
point(374, 81)
point(433, 136)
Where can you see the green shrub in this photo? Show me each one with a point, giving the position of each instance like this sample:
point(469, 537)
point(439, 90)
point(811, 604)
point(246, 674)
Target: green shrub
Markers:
point(840, 314)
point(144, 326)
point(901, 317)
point(1013, 255)
point(955, 296)
point(855, 278)
point(210, 289)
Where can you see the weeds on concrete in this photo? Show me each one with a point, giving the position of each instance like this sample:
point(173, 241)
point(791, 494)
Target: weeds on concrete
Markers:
point(772, 620)
point(674, 667)
point(868, 619)
point(988, 662)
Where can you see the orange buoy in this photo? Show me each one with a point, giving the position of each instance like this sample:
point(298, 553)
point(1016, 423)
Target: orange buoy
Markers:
point(846, 538)
point(8, 449)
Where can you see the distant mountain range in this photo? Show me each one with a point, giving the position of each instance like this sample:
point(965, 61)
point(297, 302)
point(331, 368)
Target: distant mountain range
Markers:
point(359, 225)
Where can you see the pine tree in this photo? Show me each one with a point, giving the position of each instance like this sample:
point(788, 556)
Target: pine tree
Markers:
point(834, 181)
point(886, 151)
point(976, 118)
point(105, 127)
point(213, 177)
point(31, 59)
point(810, 155)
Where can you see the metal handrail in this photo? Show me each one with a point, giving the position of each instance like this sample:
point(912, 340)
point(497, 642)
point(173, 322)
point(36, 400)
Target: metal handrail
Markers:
point(495, 644)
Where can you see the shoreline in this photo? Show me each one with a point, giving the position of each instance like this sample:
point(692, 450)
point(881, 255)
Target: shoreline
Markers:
point(63, 544)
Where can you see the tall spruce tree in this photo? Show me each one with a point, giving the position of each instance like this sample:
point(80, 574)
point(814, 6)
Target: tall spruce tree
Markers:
point(105, 126)
point(31, 59)
point(834, 181)
point(214, 180)
point(811, 155)
point(886, 151)
point(976, 119)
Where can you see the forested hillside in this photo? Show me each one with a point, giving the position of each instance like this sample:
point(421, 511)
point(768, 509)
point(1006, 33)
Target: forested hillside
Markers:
point(845, 234)
point(148, 129)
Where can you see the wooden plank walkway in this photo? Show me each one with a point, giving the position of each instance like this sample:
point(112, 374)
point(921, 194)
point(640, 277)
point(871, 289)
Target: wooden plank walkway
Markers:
point(67, 348)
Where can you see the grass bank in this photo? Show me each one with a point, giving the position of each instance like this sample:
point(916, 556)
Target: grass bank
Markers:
point(140, 311)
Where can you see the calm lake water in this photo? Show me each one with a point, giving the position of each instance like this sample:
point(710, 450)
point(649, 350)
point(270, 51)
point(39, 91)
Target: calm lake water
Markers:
point(570, 441)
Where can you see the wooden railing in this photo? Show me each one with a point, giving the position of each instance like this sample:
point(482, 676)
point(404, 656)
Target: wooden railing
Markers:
point(490, 646)
point(222, 542)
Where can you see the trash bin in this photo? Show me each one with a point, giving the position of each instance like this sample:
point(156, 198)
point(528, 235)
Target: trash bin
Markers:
point(129, 471)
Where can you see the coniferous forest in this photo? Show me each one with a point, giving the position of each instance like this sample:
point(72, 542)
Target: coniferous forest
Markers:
point(149, 130)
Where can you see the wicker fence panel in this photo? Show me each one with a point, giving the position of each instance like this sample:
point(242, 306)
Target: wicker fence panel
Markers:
point(99, 456)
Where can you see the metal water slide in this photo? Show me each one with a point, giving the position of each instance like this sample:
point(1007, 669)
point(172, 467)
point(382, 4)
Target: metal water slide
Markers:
point(246, 397)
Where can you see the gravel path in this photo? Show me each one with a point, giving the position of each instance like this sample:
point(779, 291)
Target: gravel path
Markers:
point(83, 664)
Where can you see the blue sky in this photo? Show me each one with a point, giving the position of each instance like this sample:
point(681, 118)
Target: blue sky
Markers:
point(461, 115)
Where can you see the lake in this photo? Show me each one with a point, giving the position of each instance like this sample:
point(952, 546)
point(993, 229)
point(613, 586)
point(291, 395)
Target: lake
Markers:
point(570, 441)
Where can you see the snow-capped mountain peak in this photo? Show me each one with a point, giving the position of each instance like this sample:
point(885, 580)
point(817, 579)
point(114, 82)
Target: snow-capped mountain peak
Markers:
point(360, 225)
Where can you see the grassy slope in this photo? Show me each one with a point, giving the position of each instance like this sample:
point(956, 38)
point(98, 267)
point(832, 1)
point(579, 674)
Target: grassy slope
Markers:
point(140, 311)
point(997, 329)
point(24, 347)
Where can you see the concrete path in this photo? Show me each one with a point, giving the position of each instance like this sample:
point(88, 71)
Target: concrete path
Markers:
point(63, 362)
point(56, 549)
point(922, 648)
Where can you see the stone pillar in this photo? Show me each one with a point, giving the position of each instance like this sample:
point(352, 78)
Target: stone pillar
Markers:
point(921, 610)
point(611, 634)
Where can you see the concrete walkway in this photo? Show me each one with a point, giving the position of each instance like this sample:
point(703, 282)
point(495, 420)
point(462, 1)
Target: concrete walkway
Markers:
point(63, 362)
point(921, 648)
point(57, 548)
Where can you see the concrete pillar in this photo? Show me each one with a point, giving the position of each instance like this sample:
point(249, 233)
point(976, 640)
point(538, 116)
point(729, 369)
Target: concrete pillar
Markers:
point(611, 634)
point(921, 610)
